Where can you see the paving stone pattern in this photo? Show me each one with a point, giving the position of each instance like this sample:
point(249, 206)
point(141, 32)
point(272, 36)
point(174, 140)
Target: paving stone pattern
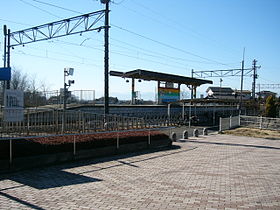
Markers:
point(213, 172)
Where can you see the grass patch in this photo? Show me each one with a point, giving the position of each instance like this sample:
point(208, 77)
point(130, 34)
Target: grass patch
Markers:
point(254, 132)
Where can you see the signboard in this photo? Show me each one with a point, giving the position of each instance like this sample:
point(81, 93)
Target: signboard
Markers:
point(13, 106)
point(5, 74)
point(166, 95)
point(169, 85)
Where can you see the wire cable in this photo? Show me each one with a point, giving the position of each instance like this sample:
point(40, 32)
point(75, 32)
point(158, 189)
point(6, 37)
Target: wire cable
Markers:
point(181, 26)
point(56, 59)
point(161, 54)
point(40, 8)
point(164, 44)
point(123, 54)
point(56, 6)
point(167, 45)
point(14, 22)
point(118, 3)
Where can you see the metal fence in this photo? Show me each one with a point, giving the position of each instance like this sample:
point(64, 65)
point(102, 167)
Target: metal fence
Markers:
point(44, 122)
point(56, 97)
point(260, 122)
point(229, 123)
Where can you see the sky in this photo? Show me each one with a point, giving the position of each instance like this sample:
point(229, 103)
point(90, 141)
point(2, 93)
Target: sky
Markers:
point(163, 36)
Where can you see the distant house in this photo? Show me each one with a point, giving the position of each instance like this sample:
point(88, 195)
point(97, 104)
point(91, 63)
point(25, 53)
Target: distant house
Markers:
point(264, 94)
point(246, 94)
point(220, 93)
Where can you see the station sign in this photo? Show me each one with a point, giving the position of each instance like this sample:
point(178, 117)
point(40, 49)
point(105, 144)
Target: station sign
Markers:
point(13, 106)
point(166, 95)
point(5, 74)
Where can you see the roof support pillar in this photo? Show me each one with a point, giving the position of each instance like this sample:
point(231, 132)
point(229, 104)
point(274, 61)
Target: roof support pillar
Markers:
point(133, 95)
point(194, 91)
point(158, 98)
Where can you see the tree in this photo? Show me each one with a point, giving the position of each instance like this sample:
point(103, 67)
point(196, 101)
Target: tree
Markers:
point(32, 91)
point(278, 107)
point(19, 80)
point(270, 106)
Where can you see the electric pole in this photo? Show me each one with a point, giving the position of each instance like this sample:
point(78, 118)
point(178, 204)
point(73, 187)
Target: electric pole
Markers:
point(241, 88)
point(106, 57)
point(9, 56)
point(255, 76)
point(192, 86)
point(7, 52)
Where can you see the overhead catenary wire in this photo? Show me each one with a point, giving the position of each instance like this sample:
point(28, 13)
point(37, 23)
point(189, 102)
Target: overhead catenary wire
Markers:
point(160, 54)
point(56, 6)
point(59, 53)
point(145, 37)
point(14, 22)
point(93, 48)
point(118, 3)
point(156, 55)
point(181, 26)
point(123, 54)
point(167, 45)
point(56, 59)
point(43, 10)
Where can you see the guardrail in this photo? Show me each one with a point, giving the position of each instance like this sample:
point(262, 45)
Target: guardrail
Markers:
point(249, 121)
point(260, 122)
point(44, 122)
point(229, 123)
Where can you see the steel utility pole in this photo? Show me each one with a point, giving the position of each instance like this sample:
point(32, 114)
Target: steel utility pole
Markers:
point(5, 44)
point(5, 57)
point(255, 76)
point(192, 85)
point(9, 55)
point(241, 88)
point(106, 57)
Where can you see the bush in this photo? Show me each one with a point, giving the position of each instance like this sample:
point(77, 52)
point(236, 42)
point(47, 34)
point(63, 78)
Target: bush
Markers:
point(270, 106)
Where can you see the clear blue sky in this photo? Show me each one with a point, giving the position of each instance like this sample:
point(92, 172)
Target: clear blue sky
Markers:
point(200, 34)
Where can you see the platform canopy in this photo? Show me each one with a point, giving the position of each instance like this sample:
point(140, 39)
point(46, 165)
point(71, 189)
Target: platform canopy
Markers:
point(157, 76)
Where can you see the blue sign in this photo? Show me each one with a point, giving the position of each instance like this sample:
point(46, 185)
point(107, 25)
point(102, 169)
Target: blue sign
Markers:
point(5, 74)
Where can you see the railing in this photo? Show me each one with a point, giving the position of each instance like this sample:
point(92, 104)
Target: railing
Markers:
point(229, 123)
point(260, 122)
point(44, 122)
point(55, 98)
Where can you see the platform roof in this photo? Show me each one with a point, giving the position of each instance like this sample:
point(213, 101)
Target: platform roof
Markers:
point(157, 76)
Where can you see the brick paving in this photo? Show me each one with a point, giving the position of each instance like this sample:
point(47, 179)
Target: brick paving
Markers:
point(213, 172)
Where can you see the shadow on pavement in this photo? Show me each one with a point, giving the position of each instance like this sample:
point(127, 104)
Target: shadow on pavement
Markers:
point(49, 178)
point(56, 176)
point(20, 201)
point(231, 144)
point(133, 163)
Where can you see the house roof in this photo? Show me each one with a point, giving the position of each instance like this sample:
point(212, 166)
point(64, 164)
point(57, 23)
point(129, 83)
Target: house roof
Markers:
point(243, 91)
point(266, 92)
point(220, 89)
point(157, 76)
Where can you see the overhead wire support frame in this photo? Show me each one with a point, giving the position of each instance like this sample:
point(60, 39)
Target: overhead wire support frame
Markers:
point(222, 73)
point(268, 86)
point(69, 26)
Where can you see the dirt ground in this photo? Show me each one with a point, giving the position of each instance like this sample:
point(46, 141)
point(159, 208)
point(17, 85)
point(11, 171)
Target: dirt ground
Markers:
point(254, 132)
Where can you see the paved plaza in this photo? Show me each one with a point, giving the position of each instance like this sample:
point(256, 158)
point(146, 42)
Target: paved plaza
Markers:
point(213, 172)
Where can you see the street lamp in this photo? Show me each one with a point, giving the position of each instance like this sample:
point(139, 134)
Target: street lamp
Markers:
point(67, 72)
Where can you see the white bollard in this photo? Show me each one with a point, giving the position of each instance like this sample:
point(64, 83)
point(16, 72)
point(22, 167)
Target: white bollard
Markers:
point(185, 134)
point(205, 131)
point(195, 133)
point(173, 136)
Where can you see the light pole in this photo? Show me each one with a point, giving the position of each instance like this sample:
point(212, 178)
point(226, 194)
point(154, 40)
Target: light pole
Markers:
point(67, 72)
